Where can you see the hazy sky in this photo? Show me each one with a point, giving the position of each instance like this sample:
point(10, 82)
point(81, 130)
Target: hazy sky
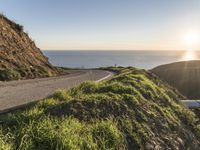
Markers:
point(106, 24)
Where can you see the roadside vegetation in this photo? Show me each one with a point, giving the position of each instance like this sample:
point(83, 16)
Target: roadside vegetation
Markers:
point(7, 74)
point(133, 110)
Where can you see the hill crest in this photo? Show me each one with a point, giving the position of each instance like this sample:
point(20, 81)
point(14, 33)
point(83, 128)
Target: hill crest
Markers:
point(182, 75)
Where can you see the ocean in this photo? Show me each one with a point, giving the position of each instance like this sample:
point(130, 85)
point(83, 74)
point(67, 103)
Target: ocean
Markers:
point(139, 59)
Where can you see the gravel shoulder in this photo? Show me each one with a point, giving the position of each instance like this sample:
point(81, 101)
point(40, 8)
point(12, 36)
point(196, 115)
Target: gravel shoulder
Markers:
point(16, 94)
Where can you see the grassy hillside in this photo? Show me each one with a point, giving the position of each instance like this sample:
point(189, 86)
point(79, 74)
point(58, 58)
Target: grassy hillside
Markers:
point(185, 76)
point(133, 110)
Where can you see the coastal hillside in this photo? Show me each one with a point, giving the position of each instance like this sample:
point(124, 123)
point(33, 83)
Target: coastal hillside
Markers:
point(19, 56)
point(133, 110)
point(185, 76)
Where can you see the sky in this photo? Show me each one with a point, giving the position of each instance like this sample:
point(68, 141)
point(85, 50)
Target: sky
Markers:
point(108, 24)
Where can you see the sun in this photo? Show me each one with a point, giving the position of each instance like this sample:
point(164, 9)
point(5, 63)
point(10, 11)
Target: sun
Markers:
point(191, 38)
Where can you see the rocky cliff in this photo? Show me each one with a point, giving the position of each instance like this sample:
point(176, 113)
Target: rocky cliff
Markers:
point(19, 56)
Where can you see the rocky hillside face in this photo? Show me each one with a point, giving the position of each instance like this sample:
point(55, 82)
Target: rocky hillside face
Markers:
point(185, 76)
point(19, 56)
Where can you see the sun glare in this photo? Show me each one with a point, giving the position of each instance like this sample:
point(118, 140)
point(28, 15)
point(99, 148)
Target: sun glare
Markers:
point(191, 38)
point(189, 55)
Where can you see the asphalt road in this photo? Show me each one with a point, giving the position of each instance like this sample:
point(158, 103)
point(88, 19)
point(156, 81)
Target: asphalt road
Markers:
point(16, 94)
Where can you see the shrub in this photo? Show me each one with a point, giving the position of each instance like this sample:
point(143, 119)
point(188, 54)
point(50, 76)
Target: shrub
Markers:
point(9, 74)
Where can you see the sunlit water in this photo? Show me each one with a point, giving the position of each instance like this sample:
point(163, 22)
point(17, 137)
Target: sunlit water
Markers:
point(140, 59)
point(190, 55)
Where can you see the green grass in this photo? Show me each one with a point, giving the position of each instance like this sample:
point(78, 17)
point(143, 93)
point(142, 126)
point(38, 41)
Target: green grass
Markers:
point(24, 72)
point(133, 110)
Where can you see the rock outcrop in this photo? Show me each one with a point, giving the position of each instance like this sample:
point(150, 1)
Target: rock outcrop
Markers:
point(19, 56)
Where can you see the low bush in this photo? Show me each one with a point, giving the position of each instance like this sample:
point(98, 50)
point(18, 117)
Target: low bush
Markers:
point(9, 74)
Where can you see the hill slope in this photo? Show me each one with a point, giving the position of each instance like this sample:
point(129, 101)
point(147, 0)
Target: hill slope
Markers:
point(185, 76)
point(133, 110)
point(19, 56)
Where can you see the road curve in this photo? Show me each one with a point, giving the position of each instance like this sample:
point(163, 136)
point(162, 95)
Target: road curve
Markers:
point(15, 94)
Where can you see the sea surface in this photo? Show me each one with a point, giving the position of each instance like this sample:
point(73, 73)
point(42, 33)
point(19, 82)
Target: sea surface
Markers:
point(95, 59)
